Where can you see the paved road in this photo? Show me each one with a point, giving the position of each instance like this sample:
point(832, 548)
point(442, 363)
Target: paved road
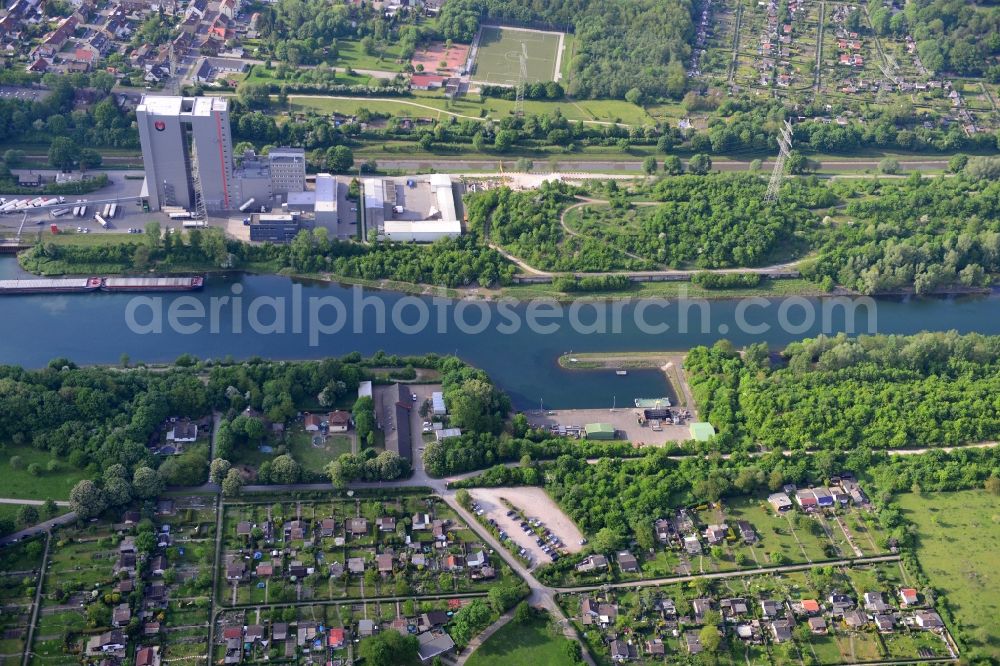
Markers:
point(601, 165)
point(14, 500)
point(38, 601)
point(46, 526)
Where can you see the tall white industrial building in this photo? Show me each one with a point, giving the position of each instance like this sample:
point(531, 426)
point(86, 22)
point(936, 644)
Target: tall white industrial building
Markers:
point(187, 152)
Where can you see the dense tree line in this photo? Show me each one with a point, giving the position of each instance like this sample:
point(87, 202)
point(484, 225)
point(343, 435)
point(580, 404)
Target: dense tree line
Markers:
point(926, 390)
point(928, 233)
point(951, 35)
point(448, 262)
point(101, 124)
point(620, 44)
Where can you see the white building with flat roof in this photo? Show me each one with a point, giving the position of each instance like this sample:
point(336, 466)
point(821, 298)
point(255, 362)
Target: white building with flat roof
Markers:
point(415, 209)
point(181, 136)
point(326, 200)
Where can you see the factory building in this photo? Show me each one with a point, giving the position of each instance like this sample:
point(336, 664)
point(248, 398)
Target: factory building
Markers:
point(288, 170)
point(186, 152)
point(414, 209)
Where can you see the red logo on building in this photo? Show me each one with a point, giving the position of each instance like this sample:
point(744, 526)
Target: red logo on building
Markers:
point(160, 125)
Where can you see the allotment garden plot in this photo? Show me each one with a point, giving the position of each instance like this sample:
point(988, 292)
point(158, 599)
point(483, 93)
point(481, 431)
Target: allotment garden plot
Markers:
point(353, 549)
point(829, 615)
point(498, 60)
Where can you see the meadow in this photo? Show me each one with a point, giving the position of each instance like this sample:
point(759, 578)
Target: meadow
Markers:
point(958, 546)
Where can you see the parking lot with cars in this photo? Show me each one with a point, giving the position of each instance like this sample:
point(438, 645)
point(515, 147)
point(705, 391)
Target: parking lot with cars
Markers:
point(541, 534)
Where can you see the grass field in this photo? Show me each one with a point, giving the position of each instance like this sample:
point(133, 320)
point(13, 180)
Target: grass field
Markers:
point(522, 644)
point(499, 59)
point(47, 485)
point(959, 550)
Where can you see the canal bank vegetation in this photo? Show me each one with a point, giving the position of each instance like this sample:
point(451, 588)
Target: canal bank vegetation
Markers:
point(98, 436)
point(450, 263)
point(927, 390)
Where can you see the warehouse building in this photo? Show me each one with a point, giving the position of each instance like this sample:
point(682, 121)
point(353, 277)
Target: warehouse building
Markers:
point(417, 209)
point(600, 431)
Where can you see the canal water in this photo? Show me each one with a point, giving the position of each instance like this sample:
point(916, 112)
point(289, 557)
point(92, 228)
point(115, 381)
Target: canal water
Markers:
point(521, 358)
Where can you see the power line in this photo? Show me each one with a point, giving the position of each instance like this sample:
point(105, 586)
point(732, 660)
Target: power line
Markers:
point(778, 173)
point(522, 81)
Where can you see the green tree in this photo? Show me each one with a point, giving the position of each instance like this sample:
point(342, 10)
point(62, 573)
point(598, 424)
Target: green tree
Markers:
point(389, 648)
point(147, 483)
point(232, 485)
point(218, 469)
point(86, 499)
point(700, 164)
point(27, 514)
point(710, 638)
point(63, 153)
point(649, 165)
point(339, 159)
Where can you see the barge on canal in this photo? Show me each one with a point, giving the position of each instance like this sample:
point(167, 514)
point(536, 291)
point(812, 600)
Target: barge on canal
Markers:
point(111, 284)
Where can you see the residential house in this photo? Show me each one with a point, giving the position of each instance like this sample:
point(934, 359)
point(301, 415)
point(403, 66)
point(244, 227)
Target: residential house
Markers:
point(182, 431)
point(691, 545)
point(420, 521)
point(806, 499)
point(780, 502)
point(158, 565)
point(747, 532)
point(592, 563)
point(384, 563)
point(699, 607)
point(928, 620)
point(874, 602)
point(781, 630)
point(716, 534)
point(734, 607)
point(109, 641)
point(338, 421)
point(884, 622)
point(770, 608)
point(840, 602)
point(692, 641)
point(121, 615)
point(607, 614)
point(627, 562)
point(385, 524)
point(433, 644)
point(327, 527)
point(622, 651)
point(817, 625)
point(147, 656)
point(312, 422)
point(908, 596)
point(454, 563)
point(335, 638)
point(476, 559)
point(243, 529)
point(810, 606)
point(357, 526)
point(656, 648)
point(356, 565)
point(855, 619)
point(663, 529)
point(366, 628)
point(235, 570)
point(296, 530)
point(432, 619)
point(279, 631)
point(254, 633)
point(265, 570)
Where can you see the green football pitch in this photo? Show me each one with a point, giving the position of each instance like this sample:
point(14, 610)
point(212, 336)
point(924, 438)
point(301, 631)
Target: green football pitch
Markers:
point(499, 57)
